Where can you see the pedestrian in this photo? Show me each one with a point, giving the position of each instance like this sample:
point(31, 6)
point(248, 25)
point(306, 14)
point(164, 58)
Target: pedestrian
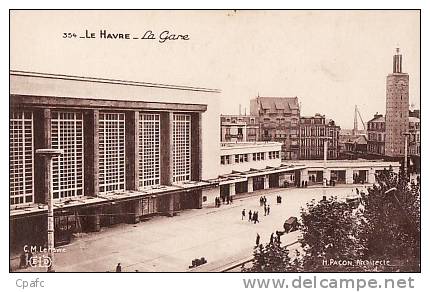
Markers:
point(243, 214)
point(265, 210)
point(257, 240)
point(265, 200)
point(261, 201)
point(249, 216)
point(256, 217)
point(268, 209)
point(23, 260)
point(357, 191)
point(271, 238)
point(118, 268)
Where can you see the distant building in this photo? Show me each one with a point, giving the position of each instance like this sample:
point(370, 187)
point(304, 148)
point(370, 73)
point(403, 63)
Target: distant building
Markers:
point(313, 131)
point(351, 143)
point(356, 144)
point(397, 108)
point(414, 136)
point(239, 128)
point(279, 121)
point(376, 135)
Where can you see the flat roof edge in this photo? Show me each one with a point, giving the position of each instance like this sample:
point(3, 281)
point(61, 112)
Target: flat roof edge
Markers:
point(110, 81)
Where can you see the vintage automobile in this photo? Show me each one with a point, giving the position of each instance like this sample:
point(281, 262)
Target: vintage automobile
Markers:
point(291, 224)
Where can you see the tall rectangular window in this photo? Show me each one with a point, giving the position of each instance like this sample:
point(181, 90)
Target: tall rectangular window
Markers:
point(21, 158)
point(111, 152)
point(67, 134)
point(181, 147)
point(149, 150)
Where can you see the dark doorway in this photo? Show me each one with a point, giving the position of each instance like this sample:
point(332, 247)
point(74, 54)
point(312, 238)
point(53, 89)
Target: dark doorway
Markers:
point(224, 191)
point(274, 180)
point(258, 183)
point(241, 187)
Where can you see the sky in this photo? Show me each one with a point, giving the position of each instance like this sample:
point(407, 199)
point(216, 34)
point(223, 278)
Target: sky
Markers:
point(330, 60)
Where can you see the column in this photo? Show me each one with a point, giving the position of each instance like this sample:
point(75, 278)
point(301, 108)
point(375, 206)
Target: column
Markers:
point(232, 189)
point(250, 184)
point(199, 198)
point(372, 175)
point(327, 175)
point(132, 150)
point(166, 148)
point(94, 218)
point(266, 181)
point(349, 176)
point(304, 176)
point(135, 210)
point(196, 146)
point(173, 198)
point(91, 153)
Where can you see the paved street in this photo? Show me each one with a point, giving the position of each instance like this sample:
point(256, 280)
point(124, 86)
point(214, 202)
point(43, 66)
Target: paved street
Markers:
point(169, 244)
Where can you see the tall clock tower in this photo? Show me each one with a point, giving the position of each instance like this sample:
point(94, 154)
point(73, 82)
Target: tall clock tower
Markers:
point(397, 108)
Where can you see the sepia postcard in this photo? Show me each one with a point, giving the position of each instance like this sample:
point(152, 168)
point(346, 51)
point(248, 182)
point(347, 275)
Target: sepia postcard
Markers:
point(215, 141)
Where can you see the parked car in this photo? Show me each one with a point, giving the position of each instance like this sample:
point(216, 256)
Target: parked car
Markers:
point(291, 224)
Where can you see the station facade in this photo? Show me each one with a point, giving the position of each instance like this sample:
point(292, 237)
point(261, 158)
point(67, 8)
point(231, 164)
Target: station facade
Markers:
point(131, 149)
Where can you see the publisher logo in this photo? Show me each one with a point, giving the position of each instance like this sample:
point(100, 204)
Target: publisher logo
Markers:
point(42, 261)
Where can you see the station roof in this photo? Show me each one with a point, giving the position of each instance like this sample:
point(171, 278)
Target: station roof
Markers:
point(110, 198)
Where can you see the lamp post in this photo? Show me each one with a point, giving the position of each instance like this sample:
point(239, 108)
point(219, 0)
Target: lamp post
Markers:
point(325, 140)
point(49, 154)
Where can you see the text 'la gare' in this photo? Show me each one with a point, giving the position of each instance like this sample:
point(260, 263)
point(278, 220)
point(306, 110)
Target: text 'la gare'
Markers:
point(148, 35)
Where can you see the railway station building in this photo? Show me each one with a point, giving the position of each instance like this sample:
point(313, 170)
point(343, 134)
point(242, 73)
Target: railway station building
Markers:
point(131, 149)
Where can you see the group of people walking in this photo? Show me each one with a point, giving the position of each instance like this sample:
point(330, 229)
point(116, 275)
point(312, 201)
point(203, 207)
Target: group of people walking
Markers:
point(225, 200)
point(252, 216)
point(273, 238)
point(263, 202)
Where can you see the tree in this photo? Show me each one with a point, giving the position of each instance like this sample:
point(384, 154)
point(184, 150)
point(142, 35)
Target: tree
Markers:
point(385, 225)
point(273, 257)
point(392, 214)
point(330, 230)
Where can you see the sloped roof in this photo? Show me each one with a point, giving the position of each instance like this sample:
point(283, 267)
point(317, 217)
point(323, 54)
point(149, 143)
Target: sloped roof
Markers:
point(378, 118)
point(279, 103)
point(355, 139)
point(352, 139)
